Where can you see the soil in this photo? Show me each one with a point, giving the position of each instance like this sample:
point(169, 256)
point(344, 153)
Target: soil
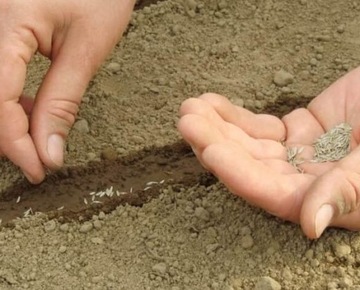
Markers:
point(160, 221)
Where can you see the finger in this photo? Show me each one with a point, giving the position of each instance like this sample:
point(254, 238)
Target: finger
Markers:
point(15, 142)
point(258, 126)
point(198, 132)
point(302, 130)
point(329, 108)
point(302, 127)
point(195, 132)
point(59, 96)
point(201, 132)
point(278, 194)
point(334, 198)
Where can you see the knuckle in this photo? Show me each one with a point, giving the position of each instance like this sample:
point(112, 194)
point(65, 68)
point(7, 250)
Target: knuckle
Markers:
point(64, 111)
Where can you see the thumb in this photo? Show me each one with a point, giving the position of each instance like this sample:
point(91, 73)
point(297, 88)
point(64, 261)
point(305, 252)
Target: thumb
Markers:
point(59, 97)
point(333, 200)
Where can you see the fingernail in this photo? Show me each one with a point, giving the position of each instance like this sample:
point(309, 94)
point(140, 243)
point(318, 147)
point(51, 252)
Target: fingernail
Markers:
point(55, 149)
point(28, 177)
point(323, 218)
point(194, 150)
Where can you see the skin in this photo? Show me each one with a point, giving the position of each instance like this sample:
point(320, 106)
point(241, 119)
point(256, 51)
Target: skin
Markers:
point(239, 147)
point(243, 150)
point(32, 134)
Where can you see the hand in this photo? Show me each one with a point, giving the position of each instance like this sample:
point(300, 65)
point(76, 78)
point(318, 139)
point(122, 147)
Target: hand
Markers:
point(245, 152)
point(76, 36)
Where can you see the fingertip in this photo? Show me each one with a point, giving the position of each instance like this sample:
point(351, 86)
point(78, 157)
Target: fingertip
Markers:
point(197, 131)
point(323, 218)
point(188, 105)
point(35, 178)
point(215, 100)
point(55, 151)
point(315, 226)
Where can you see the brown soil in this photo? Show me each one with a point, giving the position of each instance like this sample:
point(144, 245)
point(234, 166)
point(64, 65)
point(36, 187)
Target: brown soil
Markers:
point(187, 232)
point(129, 175)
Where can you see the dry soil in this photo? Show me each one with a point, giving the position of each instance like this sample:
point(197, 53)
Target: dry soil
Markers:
point(157, 220)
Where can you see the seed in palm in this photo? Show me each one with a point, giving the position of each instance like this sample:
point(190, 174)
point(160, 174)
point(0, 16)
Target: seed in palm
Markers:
point(333, 145)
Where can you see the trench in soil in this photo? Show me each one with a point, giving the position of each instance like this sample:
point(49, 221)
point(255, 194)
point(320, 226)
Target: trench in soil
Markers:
point(137, 178)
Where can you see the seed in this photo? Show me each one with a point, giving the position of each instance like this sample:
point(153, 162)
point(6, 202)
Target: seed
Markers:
point(334, 144)
point(18, 199)
point(102, 193)
point(146, 188)
point(28, 212)
point(151, 183)
point(60, 208)
point(118, 193)
point(85, 201)
point(109, 192)
point(292, 157)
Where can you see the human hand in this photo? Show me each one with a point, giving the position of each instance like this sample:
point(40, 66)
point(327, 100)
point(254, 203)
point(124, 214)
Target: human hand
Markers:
point(76, 36)
point(245, 152)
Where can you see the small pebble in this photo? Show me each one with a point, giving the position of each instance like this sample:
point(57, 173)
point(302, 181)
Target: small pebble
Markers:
point(313, 62)
point(97, 224)
point(247, 242)
point(282, 78)
point(137, 139)
point(341, 28)
point(86, 227)
point(202, 213)
point(160, 268)
point(96, 279)
point(50, 226)
point(109, 154)
point(309, 254)
point(18, 234)
point(267, 283)
point(62, 249)
point(97, 241)
point(91, 156)
point(102, 215)
point(113, 67)
point(82, 126)
point(212, 248)
point(64, 227)
point(341, 250)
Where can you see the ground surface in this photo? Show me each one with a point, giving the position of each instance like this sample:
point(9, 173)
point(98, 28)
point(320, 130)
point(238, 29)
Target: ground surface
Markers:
point(193, 234)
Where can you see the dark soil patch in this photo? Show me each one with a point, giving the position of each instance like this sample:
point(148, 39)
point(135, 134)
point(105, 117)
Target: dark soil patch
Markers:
point(64, 193)
point(143, 3)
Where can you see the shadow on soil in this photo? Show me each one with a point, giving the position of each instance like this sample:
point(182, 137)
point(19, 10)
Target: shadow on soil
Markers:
point(143, 3)
point(137, 178)
point(285, 104)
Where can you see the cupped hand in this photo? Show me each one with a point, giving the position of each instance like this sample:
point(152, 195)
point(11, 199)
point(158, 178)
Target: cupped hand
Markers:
point(248, 153)
point(76, 36)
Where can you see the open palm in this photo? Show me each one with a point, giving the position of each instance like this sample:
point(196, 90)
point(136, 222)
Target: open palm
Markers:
point(249, 154)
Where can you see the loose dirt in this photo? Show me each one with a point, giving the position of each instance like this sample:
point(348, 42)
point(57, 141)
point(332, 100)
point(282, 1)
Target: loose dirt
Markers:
point(183, 230)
